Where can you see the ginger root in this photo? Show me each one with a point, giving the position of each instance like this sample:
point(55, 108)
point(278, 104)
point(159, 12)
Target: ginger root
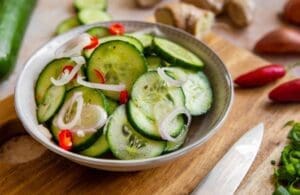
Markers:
point(147, 3)
point(240, 12)
point(186, 17)
point(215, 6)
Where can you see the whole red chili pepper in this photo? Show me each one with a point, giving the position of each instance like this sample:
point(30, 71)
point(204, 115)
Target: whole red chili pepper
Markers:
point(261, 76)
point(286, 92)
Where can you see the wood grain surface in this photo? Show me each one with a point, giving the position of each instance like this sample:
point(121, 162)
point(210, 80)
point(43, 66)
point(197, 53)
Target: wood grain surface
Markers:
point(52, 174)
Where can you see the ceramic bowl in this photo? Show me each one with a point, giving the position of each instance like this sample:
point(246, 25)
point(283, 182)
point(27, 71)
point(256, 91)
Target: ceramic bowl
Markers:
point(202, 127)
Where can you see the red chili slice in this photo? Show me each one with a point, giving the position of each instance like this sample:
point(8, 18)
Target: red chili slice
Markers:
point(94, 43)
point(100, 76)
point(69, 68)
point(117, 29)
point(65, 139)
point(123, 99)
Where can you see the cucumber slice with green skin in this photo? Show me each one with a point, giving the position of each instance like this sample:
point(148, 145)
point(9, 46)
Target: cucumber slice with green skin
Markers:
point(126, 143)
point(98, 148)
point(90, 96)
point(91, 4)
point(179, 141)
point(135, 42)
point(197, 90)
point(53, 69)
point(91, 16)
point(145, 39)
point(111, 106)
point(176, 54)
point(151, 101)
point(67, 25)
point(154, 62)
point(88, 52)
point(52, 101)
point(119, 62)
point(98, 32)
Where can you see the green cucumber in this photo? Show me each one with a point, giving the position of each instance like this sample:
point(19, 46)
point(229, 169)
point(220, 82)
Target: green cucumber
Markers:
point(98, 32)
point(135, 42)
point(111, 106)
point(98, 148)
point(176, 54)
point(14, 16)
point(151, 100)
point(154, 62)
point(126, 143)
point(88, 52)
point(53, 69)
point(67, 25)
point(145, 39)
point(91, 16)
point(119, 62)
point(90, 96)
point(179, 141)
point(91, 4)
point(197, 90)
point(53, 99)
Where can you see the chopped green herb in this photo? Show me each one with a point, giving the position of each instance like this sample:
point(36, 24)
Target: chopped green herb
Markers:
point(273, 162)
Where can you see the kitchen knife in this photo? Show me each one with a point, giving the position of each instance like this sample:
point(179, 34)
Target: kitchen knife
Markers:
point(229, 172)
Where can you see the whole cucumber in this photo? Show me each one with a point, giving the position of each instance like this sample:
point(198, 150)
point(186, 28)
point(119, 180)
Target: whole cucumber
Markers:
point(14, 16)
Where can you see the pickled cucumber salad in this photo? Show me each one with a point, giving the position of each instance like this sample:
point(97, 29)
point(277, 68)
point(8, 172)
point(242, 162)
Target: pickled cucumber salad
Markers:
point(131, 94)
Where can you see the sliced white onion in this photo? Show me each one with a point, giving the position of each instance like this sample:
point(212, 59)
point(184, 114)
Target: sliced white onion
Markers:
point(172, 82)
point(77, 97)
point(74, 46)
point(67, 76)
point(107, 87)
point(163, 125)
point(45, 131)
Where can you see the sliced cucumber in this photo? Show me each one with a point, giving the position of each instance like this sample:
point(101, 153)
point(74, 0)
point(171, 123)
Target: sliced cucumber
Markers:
point(119, 62)
point(176, 54)
point(126, 143)
point(98, 148)
point(88, 52)
point(90, 96)
point(53, 69)
point(128, 39)
point(179, 141)
point(67, 25)
point(91, 16)
point(154, 62)
point(98, 32)
point(52, 101)
point(111, 106)
point(145, 39)
point(151, 100)
point(90, 4)
point(197, 90)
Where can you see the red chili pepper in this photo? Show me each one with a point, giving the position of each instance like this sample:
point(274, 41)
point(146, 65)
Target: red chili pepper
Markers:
point(100, 76)
point(69, 68)
point(261, 76)
point(123, 99)
point(94, 43)
point(286, 92)
point(65, 139)
point(117, 29)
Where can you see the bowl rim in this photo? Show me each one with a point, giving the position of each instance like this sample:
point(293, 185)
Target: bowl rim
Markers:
point(116, 162)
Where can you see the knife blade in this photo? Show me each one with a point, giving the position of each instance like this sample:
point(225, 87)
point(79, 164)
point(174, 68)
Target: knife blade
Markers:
point(229, 172)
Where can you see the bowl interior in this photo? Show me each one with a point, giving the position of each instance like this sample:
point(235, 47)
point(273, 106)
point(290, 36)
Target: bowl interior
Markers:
point(202, 127)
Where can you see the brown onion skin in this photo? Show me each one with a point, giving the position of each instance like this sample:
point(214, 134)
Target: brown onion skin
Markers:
point(283, 40)
point(291, 11)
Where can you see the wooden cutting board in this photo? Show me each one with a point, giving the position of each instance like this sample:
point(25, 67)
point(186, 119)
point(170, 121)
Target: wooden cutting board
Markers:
point(49, 173)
